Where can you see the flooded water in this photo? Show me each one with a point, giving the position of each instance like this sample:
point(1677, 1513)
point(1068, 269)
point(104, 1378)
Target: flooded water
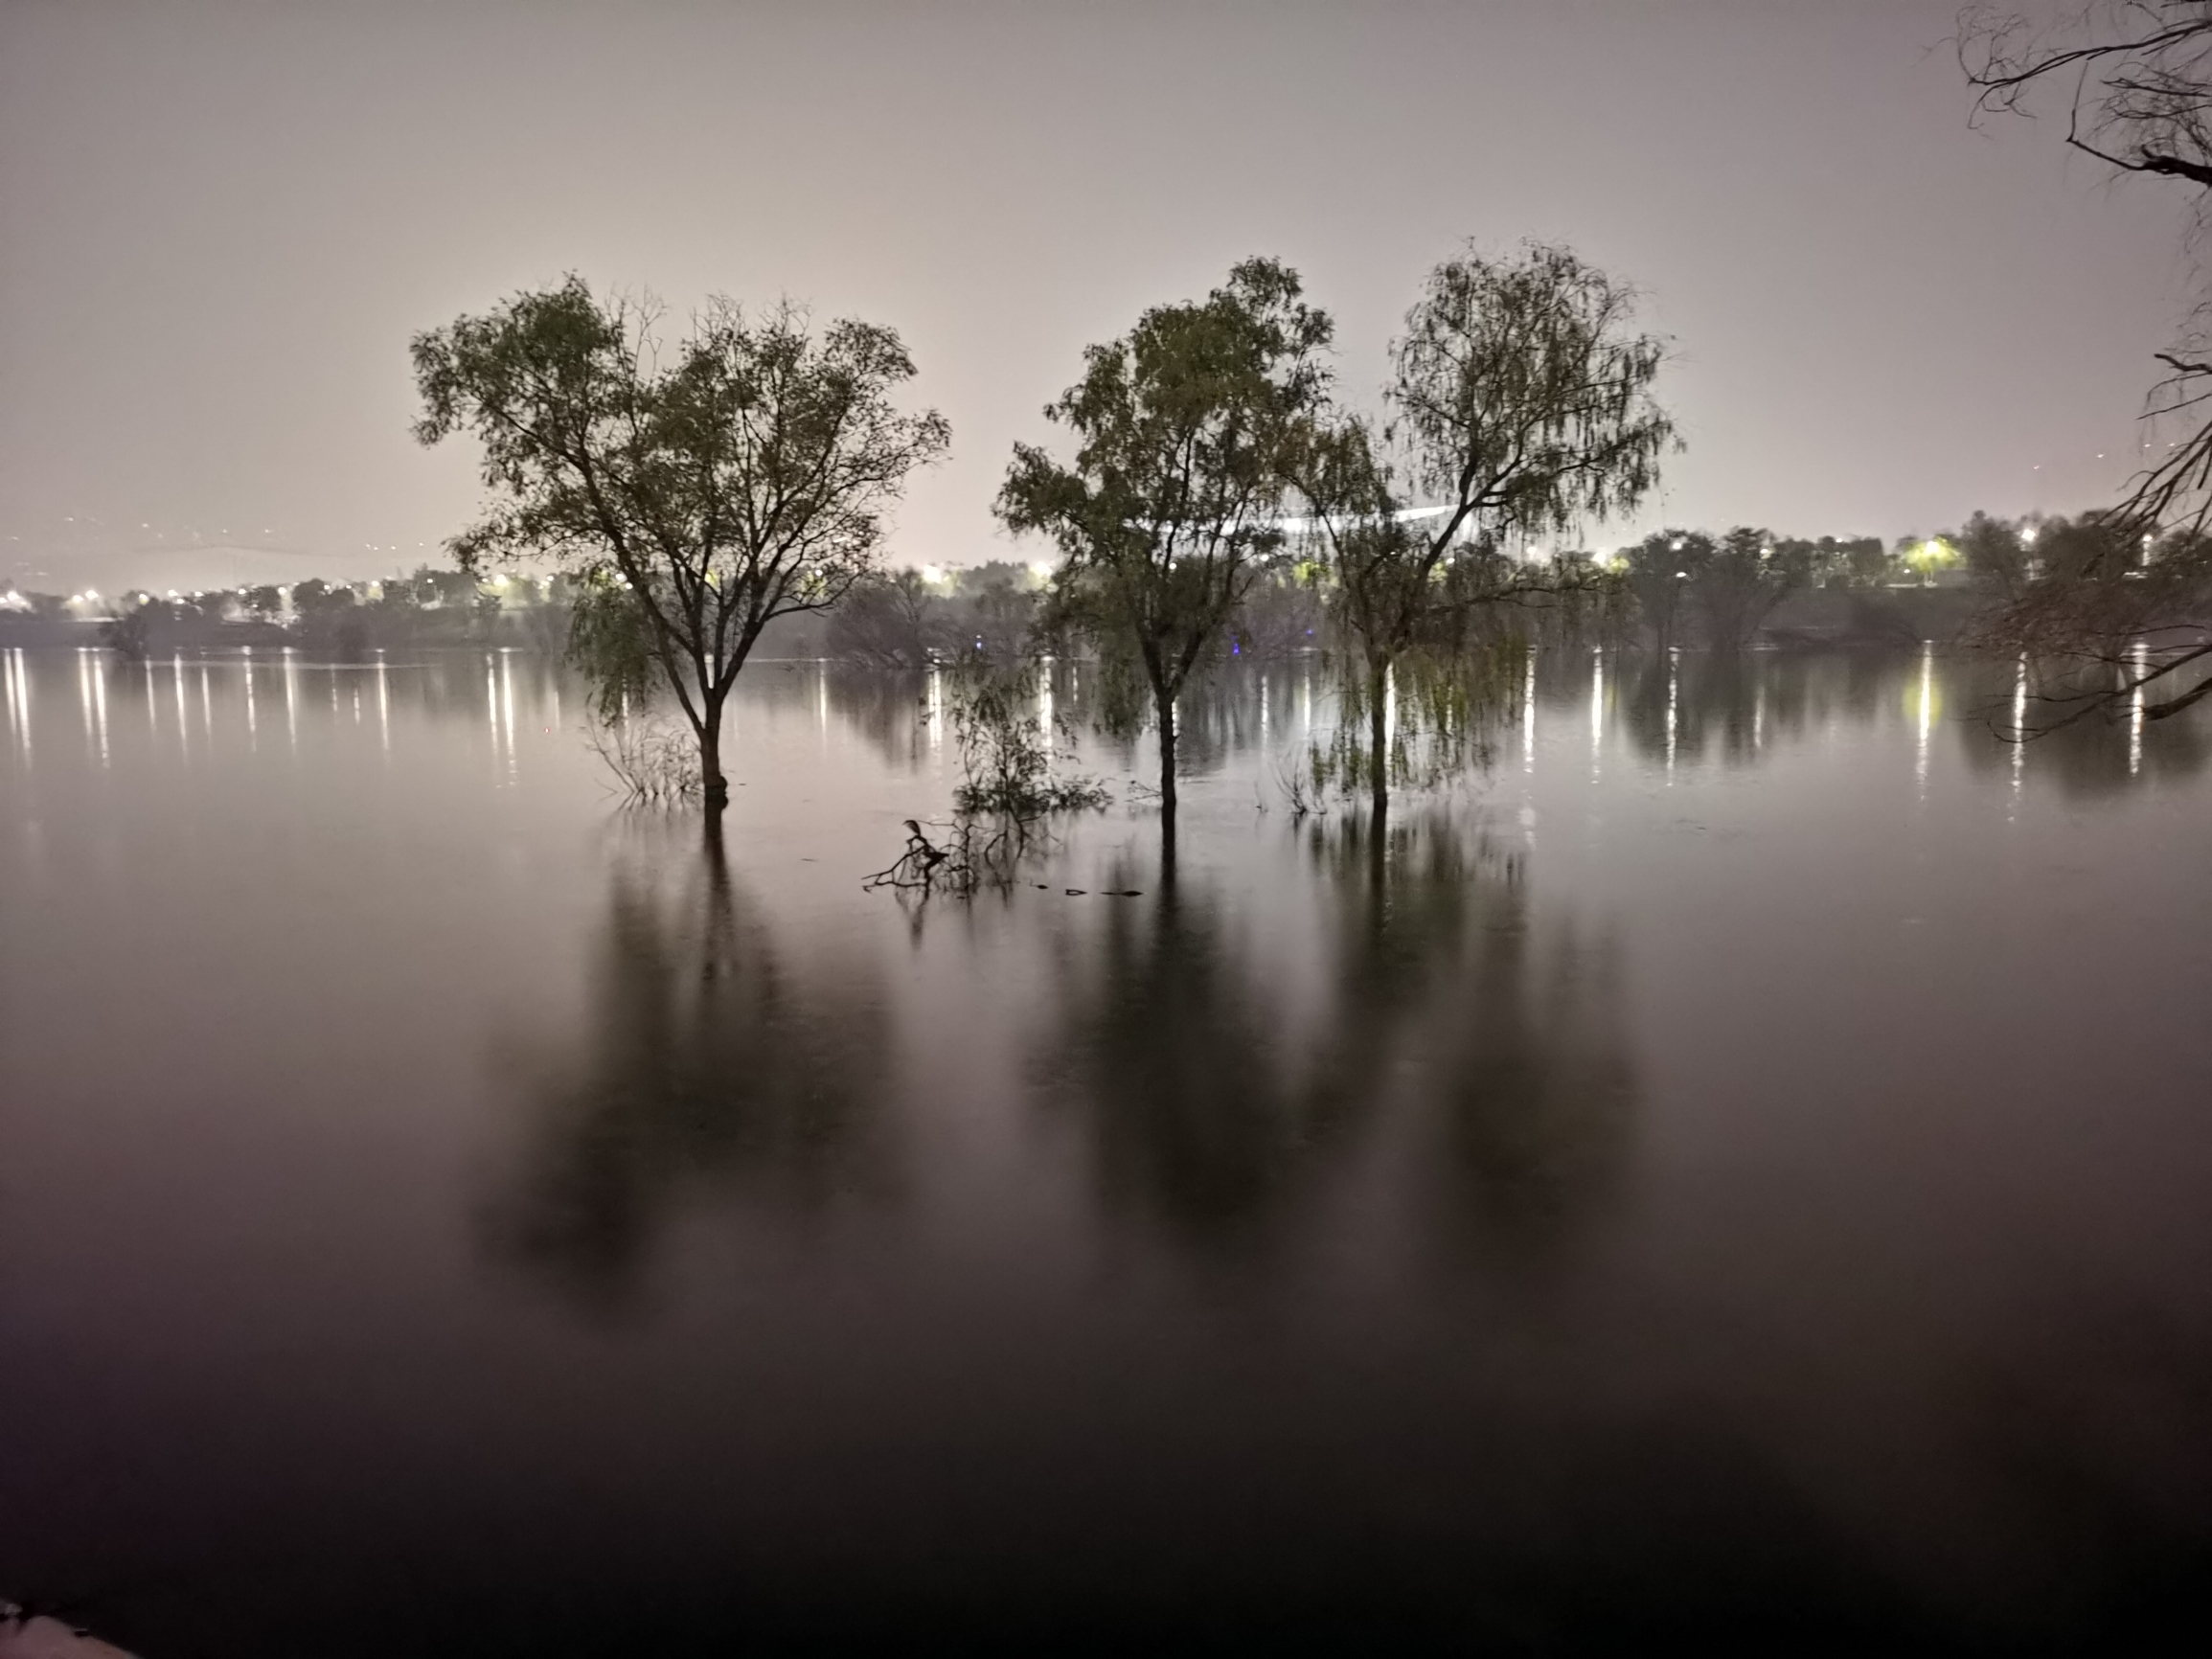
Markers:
point(1736, 1169)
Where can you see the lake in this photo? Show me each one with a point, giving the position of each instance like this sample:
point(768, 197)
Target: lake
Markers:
point(1734, 1168)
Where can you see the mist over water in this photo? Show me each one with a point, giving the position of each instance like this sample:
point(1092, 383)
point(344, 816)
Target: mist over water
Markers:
point(1735, 1164)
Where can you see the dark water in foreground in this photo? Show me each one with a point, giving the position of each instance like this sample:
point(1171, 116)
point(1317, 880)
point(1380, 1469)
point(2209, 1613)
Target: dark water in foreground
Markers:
point(1738, 1170)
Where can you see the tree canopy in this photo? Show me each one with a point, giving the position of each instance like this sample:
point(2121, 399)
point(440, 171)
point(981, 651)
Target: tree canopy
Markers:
point(1519, 403)
point(692, 501)
point(1182, 431)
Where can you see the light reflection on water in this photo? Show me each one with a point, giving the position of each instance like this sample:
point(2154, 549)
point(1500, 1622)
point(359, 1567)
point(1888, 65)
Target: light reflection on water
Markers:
point(1758, 1186)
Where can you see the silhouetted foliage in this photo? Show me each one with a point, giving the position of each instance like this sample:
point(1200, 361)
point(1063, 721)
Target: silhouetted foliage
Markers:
point(690, 505)
point(1284, 613)
point(2136, 77)
point(1737, 580)
point(2000, 555)
point(2106, 615)
point(890, 620)
point(1006, 748)
point(127, 635)
point(649, 760)
point(1183, 429)
point(898, 620)
point(1657, 571)
point(2137, 81)
point(1519, 400)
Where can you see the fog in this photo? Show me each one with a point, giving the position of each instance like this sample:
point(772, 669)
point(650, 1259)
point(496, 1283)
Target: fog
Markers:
point(221, 223)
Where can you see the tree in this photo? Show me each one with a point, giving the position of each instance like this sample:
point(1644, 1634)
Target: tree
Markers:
point(1998, 555)
point(1519, 403)
point(1000, 602)
point(1740, 581)
point(1659, 571)
point(2110, 614)
point(887, 621)
point(1183, 429)
point(689, 504)
point(127, 633)
point(2137, 77)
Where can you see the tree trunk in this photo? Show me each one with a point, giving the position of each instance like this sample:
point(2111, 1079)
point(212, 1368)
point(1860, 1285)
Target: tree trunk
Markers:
point(715, 788)
point(1378, 741)
point(1166, 704)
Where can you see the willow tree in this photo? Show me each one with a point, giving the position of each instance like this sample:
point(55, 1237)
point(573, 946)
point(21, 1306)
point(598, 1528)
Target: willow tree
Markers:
point(691, 502)
point(1519, 404)
point(1183, 433)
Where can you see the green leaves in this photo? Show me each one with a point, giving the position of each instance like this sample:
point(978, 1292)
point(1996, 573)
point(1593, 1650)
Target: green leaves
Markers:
point(696, 501)
point(1519, 394)
point(1183, 429)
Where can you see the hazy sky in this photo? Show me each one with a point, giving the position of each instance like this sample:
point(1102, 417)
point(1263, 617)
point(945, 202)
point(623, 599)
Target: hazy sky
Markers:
point(219, 223)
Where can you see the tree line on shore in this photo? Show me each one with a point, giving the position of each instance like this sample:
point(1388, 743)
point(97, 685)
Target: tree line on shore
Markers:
point(1675, 587)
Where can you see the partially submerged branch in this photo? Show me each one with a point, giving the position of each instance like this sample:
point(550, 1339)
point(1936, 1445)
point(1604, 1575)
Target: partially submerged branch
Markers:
point(971, 854)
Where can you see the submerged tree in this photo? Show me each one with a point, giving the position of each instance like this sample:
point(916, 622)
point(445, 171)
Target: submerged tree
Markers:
point(1519, 403)
point(2136, 77)
point(689, 504)
point(1182, 429)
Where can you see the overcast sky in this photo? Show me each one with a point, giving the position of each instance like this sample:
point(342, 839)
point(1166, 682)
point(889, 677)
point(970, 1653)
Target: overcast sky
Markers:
point(219, 224)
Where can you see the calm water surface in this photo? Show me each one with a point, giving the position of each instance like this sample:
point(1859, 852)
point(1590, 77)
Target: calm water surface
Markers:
point(1738, 1169)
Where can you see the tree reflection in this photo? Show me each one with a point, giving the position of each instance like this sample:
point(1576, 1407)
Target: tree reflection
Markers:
point(1504, 1040)
point(1406, 895)
point(888, 709)
point(1682, 707)
point(2106, 751)
point(1221, 1084)
point(1534, 1093)
point(707, 1061)
point(1169, 1045)
point(1686, 707)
